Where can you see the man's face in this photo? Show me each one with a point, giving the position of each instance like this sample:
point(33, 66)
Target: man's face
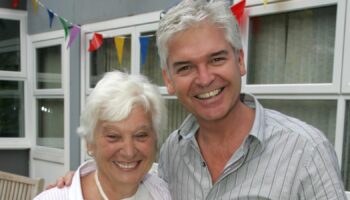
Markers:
point(205, 73)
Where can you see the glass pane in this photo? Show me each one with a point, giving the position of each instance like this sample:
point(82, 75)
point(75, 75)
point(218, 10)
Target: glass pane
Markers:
point(10, 55)
point(105, 59)
point(49, 67)
point(345, 169)
point(176, 115)
point(11, 109)
point(151, 66)
point(319, 113)
point(50, 122)
point(292, 47)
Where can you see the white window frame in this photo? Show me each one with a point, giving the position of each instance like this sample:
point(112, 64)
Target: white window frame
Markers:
point(292, 5)
point(341, 125)
point(20, 76)
point(133, 26)
point(346, 62)
point(39, 41)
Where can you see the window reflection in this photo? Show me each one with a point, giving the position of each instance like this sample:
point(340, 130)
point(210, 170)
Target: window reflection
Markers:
point(105, 59)
point(11, 108)
point(292, 47)
point(319, 113)
point(49, 67)
point(346, 149)
point(10, 55)
point(151, 67)
point(50, 122)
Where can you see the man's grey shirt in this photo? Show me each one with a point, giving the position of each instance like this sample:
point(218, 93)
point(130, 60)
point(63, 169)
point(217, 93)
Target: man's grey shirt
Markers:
point(282, 158)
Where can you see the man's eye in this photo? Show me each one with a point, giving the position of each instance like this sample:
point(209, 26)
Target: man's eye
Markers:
point(218, 60)
point(183, 69)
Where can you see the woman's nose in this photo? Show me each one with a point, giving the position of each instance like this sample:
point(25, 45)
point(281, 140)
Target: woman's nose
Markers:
point(129, 149)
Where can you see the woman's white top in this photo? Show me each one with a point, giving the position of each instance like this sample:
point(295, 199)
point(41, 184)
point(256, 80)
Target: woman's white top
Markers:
point(151, 188)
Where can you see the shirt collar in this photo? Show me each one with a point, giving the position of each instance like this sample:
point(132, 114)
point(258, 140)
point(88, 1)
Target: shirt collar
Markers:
point(189, 127)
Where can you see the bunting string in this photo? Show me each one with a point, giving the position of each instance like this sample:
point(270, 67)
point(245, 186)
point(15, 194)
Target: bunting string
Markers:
point(72, 30)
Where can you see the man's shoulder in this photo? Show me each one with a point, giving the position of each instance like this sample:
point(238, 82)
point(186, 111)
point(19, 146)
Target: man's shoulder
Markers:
point(291, 126)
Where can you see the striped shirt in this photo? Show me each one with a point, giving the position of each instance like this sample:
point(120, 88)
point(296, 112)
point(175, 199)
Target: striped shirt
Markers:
point(282, 158)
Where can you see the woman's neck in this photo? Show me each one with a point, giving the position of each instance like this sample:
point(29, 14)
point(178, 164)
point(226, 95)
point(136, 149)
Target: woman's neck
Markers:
point(111, 190)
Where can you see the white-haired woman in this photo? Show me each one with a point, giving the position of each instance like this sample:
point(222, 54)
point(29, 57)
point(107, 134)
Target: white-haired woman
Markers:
point(120, 123)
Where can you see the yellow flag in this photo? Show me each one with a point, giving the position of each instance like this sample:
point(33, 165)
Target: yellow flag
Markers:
point(35, 6)
point(119, 44)
point(266, 2)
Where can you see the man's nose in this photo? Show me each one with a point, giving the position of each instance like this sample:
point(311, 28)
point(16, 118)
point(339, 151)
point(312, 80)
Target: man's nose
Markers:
point(205, 76)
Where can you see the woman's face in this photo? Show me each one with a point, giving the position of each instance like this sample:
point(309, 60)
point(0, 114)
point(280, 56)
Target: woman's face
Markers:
point(125, 150)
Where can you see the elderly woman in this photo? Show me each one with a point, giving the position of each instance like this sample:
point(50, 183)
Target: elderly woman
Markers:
point(120, 124)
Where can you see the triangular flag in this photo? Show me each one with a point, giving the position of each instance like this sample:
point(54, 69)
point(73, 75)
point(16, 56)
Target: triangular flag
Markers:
point(65, 26)
point(266, 2)
point(144, 41)
point(119, 44)
point(96, 42)
point(51, 16)
point(238, 10)
point(35, 6)
point(15, 3)
point(74, 32)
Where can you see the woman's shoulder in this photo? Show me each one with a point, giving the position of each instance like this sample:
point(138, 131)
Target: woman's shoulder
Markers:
point(54, 194)
point(157, 187)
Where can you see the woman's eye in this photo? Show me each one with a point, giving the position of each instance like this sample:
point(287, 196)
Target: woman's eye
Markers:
point(141, 136)
point(112, 137)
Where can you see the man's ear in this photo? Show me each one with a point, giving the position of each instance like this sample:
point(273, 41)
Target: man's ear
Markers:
point(242, 67)
point(168, 82)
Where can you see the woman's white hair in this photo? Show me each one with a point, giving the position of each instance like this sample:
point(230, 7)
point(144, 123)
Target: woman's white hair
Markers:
point(114, 97)
point(189, 13)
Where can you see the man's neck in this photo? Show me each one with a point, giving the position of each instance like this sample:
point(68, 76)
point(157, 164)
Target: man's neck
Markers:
point(219, 140)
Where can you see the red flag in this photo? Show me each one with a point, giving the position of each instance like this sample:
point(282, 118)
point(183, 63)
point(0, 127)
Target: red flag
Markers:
point(238, 10)
point(96, 42)
point(15, 3)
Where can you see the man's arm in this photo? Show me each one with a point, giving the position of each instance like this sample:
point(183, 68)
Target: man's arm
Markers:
point(321, 178)
point(62, 181)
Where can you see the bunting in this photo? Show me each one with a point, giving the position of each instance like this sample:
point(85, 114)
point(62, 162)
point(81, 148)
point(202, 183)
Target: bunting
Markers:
point(65, 26)
point(238, 10)
point(15, 3)
point(51, 16)
point(119, 44)
point(74, 32)
point(144, 41)
point(35, 6)
point(96, 42)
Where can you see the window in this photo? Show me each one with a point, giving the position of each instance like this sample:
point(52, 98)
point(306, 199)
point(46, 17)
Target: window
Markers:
point(11, 108)
point(10, 57)
point(346, 149)
point(290, 47)
point(50, 107)
point(294, 47)
point(318, 113)
point(49, 110)
point(105, 58)
point(13, 79)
